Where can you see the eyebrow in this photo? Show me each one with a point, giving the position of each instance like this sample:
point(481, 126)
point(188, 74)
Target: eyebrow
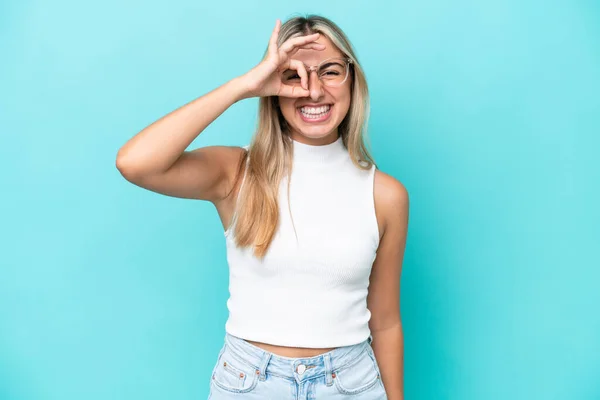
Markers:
point(331, 62)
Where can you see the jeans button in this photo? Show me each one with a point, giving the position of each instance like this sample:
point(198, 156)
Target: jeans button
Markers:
point(300, 369)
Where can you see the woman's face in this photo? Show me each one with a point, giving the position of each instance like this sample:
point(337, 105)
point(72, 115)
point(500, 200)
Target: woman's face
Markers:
point(314, 119)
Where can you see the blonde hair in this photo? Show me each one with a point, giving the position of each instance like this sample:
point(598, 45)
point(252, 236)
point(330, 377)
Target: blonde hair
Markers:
point(271, 149)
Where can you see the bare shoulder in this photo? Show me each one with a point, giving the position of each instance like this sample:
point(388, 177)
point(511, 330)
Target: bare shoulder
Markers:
point(389, 189)
point(219, 165)
point(391, 199)
point(237, 163)
point(231, 160)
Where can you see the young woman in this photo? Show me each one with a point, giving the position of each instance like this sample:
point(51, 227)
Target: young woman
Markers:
point(315, 233)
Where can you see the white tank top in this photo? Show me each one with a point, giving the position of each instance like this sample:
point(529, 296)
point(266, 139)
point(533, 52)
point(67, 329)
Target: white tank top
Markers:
point(311, 288)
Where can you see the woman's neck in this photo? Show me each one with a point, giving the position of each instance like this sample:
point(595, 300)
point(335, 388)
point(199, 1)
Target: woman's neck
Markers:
point(319, 154)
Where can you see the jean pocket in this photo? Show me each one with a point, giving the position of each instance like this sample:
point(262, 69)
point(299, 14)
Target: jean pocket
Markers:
point(234, 374)
point(359, 375)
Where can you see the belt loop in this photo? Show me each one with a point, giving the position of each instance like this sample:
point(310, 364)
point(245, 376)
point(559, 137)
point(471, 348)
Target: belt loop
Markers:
point(328, 370)
point(263, 365)
point(370, 339)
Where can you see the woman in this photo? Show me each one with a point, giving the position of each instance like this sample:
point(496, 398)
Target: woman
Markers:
point(315, 233)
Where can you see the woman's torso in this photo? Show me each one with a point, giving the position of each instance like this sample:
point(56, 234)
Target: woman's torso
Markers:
point(225, 209)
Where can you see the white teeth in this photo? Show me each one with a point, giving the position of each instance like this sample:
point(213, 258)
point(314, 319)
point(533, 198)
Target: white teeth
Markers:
point(315, 112)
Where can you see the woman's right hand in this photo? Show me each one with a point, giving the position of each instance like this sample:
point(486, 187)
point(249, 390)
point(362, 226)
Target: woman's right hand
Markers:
point(265, 78)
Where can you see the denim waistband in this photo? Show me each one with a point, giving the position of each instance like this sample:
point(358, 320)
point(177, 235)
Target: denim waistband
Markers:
point(298, 369)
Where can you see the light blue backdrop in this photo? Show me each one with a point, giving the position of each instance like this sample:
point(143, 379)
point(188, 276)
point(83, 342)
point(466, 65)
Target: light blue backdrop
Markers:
point(488, 112)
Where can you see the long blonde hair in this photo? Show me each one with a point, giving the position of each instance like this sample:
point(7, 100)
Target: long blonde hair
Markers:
point(271, 149)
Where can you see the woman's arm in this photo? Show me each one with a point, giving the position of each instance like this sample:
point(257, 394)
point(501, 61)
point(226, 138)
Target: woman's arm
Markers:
point(391, 202)
point(155, 158)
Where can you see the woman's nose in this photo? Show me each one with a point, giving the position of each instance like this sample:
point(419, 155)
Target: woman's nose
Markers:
point(315, 87)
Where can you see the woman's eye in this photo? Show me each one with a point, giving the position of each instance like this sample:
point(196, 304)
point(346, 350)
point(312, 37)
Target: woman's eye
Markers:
point(292, 77)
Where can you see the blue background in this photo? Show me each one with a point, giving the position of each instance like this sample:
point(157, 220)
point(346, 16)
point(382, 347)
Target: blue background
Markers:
point(488, 112)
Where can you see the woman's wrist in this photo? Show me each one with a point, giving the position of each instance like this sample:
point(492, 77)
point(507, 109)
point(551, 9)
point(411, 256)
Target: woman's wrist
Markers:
point(240, 88)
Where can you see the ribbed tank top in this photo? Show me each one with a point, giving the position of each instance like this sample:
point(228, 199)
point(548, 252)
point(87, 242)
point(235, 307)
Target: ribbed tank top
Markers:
point(311, 288)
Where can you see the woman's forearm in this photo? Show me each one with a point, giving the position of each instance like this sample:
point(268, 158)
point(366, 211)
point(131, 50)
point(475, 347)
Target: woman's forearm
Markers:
point(388, 345)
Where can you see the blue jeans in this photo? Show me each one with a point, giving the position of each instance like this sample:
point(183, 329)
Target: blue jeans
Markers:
point(245, 371)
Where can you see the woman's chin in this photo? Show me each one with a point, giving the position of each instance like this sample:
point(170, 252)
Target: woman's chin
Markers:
point(315, 131)
point(317, 137)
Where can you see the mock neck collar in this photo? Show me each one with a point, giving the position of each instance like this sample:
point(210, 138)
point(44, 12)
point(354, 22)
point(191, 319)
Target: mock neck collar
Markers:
point(323, 154)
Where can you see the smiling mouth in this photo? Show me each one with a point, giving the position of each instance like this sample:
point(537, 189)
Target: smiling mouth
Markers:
point(315, 113)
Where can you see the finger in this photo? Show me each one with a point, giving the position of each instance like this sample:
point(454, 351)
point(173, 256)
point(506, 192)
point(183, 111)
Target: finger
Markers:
point(301, 69)
point(315, 46)
point(274, 35)
point(298, 41)
point(298, 66)
point(292, 91)
point(293, 43)
point(310, 46)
